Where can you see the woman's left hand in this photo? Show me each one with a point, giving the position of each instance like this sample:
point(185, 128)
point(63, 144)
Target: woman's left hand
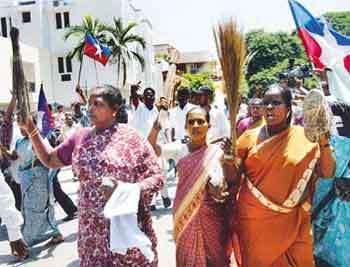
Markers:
point(324, 139)
point(108, 187)
point(218, 193)
point(226, 146)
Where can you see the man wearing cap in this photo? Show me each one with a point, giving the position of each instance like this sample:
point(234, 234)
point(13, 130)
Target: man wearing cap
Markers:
point(220, 127)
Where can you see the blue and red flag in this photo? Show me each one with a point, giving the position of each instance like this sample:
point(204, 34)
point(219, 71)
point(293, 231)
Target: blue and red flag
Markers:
point(97, 51)
point(46, 121)
point(325, 47)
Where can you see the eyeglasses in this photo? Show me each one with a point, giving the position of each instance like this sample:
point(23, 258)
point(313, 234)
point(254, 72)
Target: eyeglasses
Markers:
point(273, 103)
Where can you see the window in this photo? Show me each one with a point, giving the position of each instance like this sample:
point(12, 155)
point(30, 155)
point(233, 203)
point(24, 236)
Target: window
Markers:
point(58, 21)
point(60, 65)
point(65, 68)
point(31, 86)
point(26, 17)
point(66, 77)
point(66, 19)
point(3, 27)
point(26, 3)
point(68, 64)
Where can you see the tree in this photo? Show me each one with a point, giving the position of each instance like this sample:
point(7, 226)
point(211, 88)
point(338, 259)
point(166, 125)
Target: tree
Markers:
point(120, 40)
point(271, 49)
point(340, 21)
point(194, 81)
point(89, 26)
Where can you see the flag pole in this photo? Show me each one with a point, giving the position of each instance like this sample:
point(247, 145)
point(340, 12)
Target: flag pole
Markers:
point(97, 80)
point(80, 68)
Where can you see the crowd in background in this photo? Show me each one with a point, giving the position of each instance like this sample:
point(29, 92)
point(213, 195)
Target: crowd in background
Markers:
point(191, 135)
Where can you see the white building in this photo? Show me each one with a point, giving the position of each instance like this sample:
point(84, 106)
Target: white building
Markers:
point(42, 25)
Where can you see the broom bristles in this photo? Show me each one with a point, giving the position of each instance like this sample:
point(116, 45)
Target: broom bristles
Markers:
point(230, 44)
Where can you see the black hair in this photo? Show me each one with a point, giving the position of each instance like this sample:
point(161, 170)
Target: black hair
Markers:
point(207, 116)
point(122, 115)
point(149, 89)
point(110, 94)
point(287, 97)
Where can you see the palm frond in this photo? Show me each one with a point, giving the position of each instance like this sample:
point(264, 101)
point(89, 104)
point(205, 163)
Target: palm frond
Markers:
point(140, 59)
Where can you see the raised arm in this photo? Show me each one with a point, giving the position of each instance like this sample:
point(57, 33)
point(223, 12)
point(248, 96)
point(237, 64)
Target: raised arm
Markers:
point(326, 167)
point(10, 109)
point(45, 153)
point(152, 138)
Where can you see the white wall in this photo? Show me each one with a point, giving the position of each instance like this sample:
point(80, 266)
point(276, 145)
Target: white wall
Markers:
point(42, 33)
point(30, 57)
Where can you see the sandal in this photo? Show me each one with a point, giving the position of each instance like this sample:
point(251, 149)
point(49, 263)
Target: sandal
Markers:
point(316, 115)
point(55, 240)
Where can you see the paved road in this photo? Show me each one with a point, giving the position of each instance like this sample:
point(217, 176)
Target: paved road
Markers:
point(65, 254)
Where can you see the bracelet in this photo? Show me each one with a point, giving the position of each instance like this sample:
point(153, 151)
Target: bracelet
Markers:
point(228, 157)
point(217, 200)
point(34, 133)
point(325, 145)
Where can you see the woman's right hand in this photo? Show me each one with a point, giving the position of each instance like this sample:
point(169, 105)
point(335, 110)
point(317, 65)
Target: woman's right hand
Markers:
point(26, 124)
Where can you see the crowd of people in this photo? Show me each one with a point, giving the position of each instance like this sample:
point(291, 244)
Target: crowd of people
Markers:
point(276, 200)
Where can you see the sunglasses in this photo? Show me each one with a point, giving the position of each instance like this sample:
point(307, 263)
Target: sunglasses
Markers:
point(273, 103)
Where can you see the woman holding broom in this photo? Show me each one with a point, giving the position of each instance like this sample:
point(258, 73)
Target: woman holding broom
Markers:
point(200, 225)
point(278, 163)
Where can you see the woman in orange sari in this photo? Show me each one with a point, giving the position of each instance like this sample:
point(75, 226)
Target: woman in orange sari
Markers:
point(278, 164)
point(200, 221)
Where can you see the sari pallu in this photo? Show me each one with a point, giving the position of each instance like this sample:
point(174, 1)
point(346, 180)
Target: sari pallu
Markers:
point(200, 229)
point(274, 224)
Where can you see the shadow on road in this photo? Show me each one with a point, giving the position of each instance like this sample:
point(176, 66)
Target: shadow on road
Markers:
point(74, 263)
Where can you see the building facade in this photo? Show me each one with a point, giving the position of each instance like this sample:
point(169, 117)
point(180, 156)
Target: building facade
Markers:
point(42, 25)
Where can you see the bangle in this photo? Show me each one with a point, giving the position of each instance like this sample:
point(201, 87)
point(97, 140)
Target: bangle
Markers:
point(34, 133)
point(325, 145)
point(228, 157)
point(221, 201)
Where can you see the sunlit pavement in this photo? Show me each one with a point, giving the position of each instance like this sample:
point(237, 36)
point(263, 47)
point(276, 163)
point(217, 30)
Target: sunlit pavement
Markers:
point(65, 254)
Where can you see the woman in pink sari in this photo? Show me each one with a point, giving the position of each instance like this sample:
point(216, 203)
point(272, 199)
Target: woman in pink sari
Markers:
point(200, 221)
point(107, 151)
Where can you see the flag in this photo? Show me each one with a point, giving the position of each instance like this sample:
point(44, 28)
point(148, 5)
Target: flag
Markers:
point(46, 121)
point(97, 51)
point(326, 48)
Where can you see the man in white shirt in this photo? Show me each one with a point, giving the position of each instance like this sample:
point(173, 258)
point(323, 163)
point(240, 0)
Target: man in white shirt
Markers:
point(220, 127)
point(177, 115)
point(59, 117)
point(145, 114)
point(69, 128)
point(13, 220)
point(144, 117)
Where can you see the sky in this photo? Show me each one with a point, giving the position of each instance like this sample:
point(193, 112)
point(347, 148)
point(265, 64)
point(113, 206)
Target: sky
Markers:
point(187, 24)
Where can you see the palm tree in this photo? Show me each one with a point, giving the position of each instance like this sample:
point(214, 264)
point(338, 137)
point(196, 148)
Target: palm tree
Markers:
point(120, 40)
point(89, 26)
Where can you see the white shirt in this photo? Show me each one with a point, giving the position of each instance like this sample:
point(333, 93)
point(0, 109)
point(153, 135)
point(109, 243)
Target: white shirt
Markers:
point(69, 131)
point(219, 125)
point(175, 150)
point(11, 217)
point(177, 120)
point(144, 119)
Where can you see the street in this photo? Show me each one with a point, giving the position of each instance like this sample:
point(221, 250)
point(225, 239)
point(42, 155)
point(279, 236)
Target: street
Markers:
point(65, 254)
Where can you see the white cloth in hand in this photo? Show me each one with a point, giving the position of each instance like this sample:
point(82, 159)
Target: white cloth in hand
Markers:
point(121, 209)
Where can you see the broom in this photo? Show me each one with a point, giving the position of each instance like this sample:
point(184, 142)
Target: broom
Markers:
point(19, 83)
point(231, 49)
